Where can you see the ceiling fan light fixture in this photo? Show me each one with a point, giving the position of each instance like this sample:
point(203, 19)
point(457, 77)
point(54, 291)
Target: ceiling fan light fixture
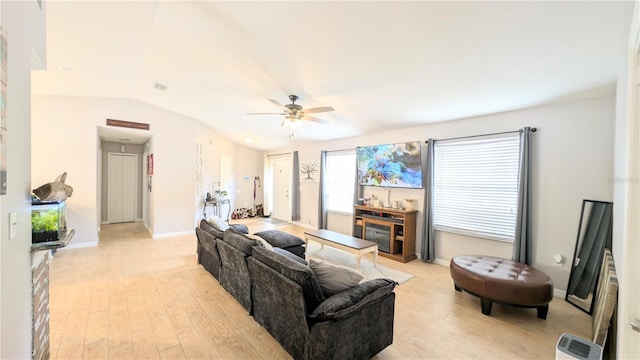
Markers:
point(292, 122)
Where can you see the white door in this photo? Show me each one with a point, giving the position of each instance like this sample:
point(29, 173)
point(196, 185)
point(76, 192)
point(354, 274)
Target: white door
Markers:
point(281, 187)
point(121, 187)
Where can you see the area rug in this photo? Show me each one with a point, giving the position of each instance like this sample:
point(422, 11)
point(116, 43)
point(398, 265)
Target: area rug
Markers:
point(276, 222)
point(367, 267)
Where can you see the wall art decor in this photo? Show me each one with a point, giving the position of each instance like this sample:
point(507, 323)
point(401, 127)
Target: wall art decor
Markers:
point(309, 171)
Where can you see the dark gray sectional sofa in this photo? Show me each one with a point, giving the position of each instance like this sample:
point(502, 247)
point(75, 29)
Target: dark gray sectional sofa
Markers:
point(283, 295)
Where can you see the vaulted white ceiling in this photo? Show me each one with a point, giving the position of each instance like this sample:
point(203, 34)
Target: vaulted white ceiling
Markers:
point(381, 65)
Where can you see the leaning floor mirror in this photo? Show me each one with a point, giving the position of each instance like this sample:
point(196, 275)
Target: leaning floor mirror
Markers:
point(594, 235)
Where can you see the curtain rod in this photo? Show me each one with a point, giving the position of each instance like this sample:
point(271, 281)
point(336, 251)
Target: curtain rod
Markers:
point(287, 153)
point(472, 136)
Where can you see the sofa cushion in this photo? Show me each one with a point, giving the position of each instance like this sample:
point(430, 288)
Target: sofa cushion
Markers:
point(261, 242)
point(207, 240)
point(290, 255)
point(239, 241)
point(280, 239)
point(218, 223)
point(351, 300)
point(295, 271)
point(206, 226)
point(334, 278)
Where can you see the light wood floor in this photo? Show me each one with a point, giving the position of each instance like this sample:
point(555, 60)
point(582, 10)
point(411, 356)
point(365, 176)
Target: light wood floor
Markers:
point(135, 297)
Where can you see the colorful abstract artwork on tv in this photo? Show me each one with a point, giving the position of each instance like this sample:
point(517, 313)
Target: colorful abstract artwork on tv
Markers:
point(390, 165)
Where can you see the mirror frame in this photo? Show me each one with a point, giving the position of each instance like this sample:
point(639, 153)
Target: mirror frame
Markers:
point(607, 245)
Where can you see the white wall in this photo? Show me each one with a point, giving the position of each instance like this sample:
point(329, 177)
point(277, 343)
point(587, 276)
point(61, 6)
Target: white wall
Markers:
point(212, 145)
point(572, 161)
point(25, 25)
point(64, 139)
point(248, 164)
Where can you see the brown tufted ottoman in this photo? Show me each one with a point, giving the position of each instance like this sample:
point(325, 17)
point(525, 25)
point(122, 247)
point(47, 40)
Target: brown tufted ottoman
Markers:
point(503, 281)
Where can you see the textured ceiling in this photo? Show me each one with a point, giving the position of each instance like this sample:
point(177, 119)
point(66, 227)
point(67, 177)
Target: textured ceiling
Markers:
point(381, 65)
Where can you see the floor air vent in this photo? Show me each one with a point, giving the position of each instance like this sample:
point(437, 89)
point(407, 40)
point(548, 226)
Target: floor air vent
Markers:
point(572, 347)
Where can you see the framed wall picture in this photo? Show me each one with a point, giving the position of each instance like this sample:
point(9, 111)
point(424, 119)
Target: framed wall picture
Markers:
point(310, 171)
point(150, 164)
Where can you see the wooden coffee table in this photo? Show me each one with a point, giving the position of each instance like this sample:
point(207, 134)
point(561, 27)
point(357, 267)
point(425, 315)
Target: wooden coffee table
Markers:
point(347, 243)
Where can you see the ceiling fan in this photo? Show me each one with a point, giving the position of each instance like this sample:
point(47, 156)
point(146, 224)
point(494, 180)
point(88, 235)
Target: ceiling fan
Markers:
point(294, 112)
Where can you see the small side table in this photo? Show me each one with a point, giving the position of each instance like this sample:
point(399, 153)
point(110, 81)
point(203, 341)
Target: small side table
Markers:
point(216, 207)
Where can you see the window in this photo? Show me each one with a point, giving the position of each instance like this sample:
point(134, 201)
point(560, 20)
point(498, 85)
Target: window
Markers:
point(476, 186)
point(339, 180)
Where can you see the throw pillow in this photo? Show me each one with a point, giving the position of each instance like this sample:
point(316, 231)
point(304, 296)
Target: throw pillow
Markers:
point(280, 239)
point(334, 278)
point(241, 228)
point(218, 223)
point(261, 242)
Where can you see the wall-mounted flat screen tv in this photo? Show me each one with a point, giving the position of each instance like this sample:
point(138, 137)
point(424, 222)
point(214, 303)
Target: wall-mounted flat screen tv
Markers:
point(390, 165)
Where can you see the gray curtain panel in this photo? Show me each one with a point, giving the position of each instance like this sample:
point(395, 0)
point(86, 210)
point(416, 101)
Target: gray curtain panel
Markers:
point(428, 233)
point(295, 196)
point(322, 211)
point(522, 242)
point(356, 186)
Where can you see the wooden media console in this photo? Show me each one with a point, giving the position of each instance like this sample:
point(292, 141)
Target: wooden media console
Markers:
point(394, 230)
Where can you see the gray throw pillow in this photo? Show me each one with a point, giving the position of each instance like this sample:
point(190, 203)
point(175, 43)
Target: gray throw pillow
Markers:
point(241, 228)
point(280, 239)
point(334, 279)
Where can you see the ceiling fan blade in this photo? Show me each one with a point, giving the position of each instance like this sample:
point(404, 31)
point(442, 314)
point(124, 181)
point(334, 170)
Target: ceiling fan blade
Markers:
point(266, 114)
point(280, 106)
point(318, 110)
point(315, 119)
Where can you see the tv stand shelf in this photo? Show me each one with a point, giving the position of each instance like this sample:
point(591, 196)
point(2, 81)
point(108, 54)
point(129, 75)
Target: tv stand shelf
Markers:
point(393, 229)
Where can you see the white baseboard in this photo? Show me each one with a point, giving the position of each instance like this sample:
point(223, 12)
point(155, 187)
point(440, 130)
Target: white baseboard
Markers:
point(559, 293)
point(172, 234)
point(304, 225)
point(442, 262)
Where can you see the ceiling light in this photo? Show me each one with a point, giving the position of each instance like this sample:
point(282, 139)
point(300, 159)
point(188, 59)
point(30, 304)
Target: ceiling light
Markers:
point(292, 122)
point(248, 140)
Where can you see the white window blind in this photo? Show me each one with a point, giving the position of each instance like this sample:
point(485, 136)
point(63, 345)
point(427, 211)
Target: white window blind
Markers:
point(476, 186)
point(339, 180)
